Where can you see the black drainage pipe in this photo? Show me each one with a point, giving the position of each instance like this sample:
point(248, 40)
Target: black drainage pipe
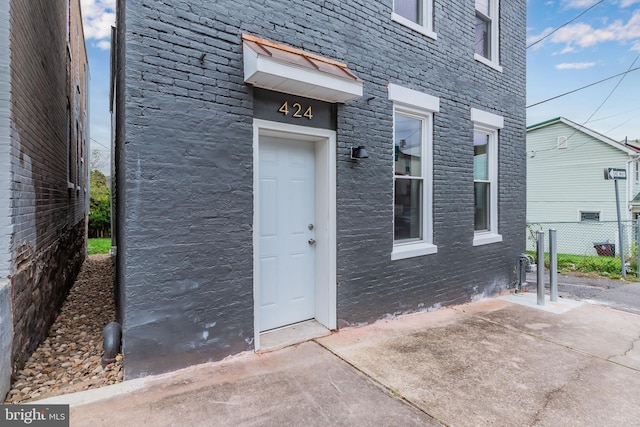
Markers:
point(112, 334)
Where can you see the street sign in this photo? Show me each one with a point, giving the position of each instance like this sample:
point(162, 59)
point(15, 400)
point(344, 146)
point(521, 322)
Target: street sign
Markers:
point(613, 173)
point(617, 175)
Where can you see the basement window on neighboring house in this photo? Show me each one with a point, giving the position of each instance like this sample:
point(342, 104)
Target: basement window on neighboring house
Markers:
point(589, 216)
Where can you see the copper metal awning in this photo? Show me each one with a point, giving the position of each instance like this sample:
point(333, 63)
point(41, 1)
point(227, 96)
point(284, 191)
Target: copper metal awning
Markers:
point(282, 68)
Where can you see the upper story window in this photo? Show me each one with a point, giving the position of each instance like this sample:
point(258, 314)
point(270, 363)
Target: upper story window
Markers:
point(485, 176)
point(415, 14)
point(413, 172)
point(487, 36)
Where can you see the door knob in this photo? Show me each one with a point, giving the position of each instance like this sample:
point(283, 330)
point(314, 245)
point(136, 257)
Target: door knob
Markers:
point(312, 242)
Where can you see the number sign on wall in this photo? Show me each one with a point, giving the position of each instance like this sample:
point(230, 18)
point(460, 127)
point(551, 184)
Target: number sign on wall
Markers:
point(293, 109)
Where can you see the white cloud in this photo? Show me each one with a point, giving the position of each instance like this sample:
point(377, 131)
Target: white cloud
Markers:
point(97, 18)
point(584, 35)
point(567, 49)
point(575, 65)
point(104, 45)
point(580, 4)
point(627, 3)
point(534, 38)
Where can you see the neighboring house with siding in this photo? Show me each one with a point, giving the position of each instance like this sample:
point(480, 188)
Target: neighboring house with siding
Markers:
point(566, 188)
point(43, 172)
point(239, 207)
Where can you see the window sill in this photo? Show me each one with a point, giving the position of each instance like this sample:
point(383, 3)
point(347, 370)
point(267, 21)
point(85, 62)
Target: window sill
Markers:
point(415, 27)
point(486, 238)
point(411, 250)
point(487, 62)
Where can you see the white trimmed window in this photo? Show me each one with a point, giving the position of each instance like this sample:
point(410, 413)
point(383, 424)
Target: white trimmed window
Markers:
point(487, 35)
point(415, 14)
point(413, 172)
point(485, 176)
point(590, 216)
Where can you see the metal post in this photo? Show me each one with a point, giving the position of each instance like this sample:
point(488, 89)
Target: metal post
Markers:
point(620, 237)
point(638, 247)
point(553, 265)
point(540, 261)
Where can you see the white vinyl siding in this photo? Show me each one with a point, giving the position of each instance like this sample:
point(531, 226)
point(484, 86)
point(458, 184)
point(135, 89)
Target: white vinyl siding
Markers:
point(563, 182)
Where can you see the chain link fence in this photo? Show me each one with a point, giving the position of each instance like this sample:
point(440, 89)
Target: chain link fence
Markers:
point(588, 246)
point(587, 238)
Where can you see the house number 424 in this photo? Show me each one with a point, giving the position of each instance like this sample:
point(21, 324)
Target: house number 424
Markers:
point(295, 110)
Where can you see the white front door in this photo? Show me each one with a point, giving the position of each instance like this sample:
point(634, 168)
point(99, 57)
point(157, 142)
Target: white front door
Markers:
point(286, 231)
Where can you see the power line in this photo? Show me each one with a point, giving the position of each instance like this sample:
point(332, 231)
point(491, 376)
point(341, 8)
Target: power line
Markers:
point(564, 25)
point(100, 143)
point(614, 115)
point(614, 89)
point(597, 109)
point(584, 87)
point(625, 122)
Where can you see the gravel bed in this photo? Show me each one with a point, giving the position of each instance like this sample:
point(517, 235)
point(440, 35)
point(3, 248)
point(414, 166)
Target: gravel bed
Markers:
point(69, 359)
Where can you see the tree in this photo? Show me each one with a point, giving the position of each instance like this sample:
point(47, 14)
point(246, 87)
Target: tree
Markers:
point(99, 206)
point(98, 161)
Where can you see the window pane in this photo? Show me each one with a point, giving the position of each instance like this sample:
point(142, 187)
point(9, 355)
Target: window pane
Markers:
point(589, 216)
point(481, 190)
point(408, 209)
point(410, 9)
point(482, 36)
point(480, 156)
point(483, 6)
point(408, 145)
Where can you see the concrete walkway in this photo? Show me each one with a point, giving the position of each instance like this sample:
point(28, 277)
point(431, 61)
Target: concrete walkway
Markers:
point(492, 362)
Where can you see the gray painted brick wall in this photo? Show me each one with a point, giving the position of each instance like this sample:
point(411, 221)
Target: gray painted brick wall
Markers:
point(5, 142)
point(185, 156)
point(43, 229)
point(6, 317)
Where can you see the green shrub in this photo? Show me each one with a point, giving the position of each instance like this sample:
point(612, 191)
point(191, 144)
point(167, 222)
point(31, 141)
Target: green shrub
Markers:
point(602, 265)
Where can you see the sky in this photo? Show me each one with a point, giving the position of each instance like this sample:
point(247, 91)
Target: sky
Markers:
point(602, 42)
point(98, 16)
point(584, 42)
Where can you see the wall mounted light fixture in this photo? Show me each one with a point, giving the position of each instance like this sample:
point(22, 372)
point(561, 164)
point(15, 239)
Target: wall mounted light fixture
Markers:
point(359, 153)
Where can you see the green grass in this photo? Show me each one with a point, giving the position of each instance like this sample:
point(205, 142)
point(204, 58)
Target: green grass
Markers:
point(99, 246)
point(601, 265)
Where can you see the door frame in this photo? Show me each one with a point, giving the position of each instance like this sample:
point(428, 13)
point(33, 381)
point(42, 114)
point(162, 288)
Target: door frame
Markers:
point(325, 217)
